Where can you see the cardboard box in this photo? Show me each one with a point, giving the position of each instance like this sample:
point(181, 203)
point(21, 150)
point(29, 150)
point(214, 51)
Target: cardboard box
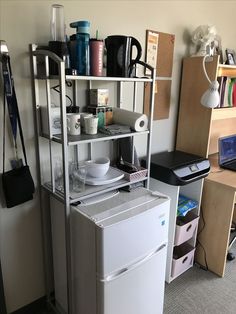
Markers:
point(98, 97)
point(108, 116)
point(100, 112)
point(105, 115)
point(55, 120)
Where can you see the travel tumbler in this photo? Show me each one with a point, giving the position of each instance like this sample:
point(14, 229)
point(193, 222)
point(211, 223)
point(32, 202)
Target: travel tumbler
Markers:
point(96, 57)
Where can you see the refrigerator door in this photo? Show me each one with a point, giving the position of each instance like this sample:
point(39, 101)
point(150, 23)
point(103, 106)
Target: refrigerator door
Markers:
point(113, 246)
point(137, 289)
point(125, 238)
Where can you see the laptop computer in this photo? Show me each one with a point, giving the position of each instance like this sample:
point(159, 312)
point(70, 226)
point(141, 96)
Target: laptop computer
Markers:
point(227, 152)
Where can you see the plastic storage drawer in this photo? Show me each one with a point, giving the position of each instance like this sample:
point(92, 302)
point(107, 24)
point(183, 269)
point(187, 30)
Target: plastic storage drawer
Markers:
point(183, 257)
point(185, 228)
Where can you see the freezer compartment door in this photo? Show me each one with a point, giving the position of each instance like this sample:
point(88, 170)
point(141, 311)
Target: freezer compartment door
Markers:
point(137, 289)
point(123, 243)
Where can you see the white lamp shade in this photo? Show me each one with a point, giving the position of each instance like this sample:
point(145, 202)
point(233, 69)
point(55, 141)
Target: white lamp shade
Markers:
point(211, 97)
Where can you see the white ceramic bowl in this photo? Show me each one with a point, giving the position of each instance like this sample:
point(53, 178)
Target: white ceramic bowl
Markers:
point(98, 168)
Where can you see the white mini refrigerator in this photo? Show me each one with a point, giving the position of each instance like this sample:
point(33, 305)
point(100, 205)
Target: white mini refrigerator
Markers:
point(118, 252)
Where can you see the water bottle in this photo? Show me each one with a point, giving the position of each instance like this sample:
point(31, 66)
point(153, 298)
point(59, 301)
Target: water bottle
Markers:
point(82, 46)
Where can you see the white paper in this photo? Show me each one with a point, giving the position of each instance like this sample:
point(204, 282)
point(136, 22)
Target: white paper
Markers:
point(137, 121)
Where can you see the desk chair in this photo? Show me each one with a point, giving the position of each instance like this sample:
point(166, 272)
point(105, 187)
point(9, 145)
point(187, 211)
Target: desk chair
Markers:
point(230, 255)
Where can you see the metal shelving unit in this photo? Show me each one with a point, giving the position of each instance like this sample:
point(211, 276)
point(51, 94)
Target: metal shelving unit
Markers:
point(41, 58)
point(84, 138)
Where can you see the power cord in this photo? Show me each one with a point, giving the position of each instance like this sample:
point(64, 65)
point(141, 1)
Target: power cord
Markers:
point(68, 84)
point(199, 243)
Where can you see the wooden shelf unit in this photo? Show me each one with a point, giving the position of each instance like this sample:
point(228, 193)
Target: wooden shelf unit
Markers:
point(198, 127)
point(198, 131)
point(226, 70)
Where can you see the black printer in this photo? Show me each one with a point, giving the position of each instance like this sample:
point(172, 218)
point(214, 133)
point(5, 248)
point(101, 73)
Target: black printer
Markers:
point(178, 168)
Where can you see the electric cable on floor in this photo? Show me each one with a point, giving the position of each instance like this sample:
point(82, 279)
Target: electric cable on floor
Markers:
point(198, 242)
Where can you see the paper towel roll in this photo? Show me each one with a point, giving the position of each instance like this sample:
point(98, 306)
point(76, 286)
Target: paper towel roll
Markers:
point(137, 121)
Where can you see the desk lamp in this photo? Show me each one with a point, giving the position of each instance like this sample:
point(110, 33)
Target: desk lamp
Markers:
point(211, 97)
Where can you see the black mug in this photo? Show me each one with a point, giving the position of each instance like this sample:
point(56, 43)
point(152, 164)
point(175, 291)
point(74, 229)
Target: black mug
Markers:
point(119, 55)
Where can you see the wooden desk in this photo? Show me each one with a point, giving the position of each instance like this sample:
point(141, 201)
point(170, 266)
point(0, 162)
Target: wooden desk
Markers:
point(217, 210)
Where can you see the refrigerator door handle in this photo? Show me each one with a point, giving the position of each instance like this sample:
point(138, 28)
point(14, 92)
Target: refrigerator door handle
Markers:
point(124, 270)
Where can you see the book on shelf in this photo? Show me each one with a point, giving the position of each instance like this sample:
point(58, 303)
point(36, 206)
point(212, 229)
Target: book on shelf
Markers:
point(222, 82)
point(234, 94)
point(227, 91)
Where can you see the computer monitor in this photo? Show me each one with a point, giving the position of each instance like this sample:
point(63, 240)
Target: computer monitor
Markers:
point(227, 148)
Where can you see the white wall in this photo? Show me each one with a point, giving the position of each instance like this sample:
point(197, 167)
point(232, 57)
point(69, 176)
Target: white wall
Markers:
point(24, 22)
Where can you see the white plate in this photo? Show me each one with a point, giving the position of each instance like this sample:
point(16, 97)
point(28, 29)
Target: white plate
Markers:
point(112, 175)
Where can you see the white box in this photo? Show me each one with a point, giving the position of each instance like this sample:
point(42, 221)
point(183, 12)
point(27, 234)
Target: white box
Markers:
point(55, 120)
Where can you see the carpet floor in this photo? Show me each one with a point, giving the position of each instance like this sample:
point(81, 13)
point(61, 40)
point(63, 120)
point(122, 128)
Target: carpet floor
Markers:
point(201, 292)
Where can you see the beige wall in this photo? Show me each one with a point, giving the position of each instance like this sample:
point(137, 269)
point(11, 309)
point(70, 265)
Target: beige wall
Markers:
point(24, 22)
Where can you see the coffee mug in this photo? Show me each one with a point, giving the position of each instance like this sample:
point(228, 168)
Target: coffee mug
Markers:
point(73, 123)
point(91, 125)
point(84, 115)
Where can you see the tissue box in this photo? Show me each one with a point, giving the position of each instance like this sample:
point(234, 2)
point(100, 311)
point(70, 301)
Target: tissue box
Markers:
point(98, 97)
point(55, 120)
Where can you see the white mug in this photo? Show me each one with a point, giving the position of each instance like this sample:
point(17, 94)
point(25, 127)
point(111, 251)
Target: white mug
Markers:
point(91, 125)
point(73, 123)
point(82, 116)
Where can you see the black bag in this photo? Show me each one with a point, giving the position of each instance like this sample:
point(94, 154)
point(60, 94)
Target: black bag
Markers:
point(18, 185)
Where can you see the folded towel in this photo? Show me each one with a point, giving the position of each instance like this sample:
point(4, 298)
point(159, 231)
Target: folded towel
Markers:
point(113, 129)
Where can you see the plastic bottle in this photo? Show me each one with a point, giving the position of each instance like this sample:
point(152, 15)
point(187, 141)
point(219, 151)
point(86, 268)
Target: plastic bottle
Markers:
point(82, 46)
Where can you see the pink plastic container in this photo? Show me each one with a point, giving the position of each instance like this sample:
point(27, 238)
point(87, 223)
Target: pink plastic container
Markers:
point(185, 228)
point(183, 257)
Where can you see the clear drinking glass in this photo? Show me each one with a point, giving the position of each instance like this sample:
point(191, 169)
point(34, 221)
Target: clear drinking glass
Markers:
point(57, 22)
point(58, 174)
point(77, 173)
